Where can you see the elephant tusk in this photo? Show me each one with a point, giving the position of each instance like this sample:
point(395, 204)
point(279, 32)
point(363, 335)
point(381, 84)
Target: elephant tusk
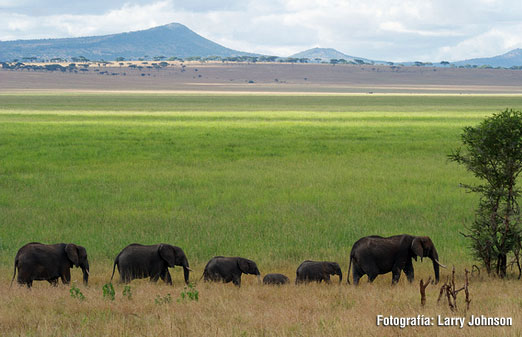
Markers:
point(87, 271)
point(189, 269)
point(440, 264)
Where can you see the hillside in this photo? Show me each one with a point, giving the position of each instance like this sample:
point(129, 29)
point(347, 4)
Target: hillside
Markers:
point(169, 40)
point(326, 54)
point(509, 59)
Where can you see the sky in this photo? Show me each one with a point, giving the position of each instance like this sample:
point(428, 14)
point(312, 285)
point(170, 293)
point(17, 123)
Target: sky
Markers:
point(388, 30)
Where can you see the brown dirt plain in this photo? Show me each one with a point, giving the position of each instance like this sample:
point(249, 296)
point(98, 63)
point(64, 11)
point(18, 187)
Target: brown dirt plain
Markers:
point(270, 77)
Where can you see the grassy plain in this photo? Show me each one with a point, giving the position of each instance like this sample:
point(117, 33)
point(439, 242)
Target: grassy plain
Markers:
point(274, 178)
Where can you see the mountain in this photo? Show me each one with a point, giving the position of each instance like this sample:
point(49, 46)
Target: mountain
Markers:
point(326, 54)
point(509, 59)
point(169, 40)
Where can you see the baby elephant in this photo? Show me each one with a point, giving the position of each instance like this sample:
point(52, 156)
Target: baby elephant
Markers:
point(229, 269)
point(317, 271)
point(37, 261)
point(275, 279)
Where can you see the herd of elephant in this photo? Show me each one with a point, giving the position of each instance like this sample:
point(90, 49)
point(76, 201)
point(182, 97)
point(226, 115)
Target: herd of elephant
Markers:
point(370, 255)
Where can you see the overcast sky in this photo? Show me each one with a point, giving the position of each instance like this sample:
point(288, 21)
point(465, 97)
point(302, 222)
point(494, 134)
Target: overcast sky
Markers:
point(391, 30)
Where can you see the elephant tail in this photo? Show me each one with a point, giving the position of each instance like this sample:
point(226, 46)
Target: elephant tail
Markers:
point(349, 268)
point(14, 273)
point(203, 275)
point(116, 261)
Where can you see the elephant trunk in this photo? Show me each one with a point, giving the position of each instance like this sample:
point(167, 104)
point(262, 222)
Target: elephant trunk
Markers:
point(85, 270)
point(435, 259)
point(340, 276)
point(186, 271)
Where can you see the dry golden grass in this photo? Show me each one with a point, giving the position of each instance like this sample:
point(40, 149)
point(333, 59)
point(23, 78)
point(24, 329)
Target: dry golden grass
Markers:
point(252, 310)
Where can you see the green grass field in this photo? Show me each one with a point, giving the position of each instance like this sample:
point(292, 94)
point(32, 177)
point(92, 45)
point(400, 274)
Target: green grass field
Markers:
point(274, 178)
point(277, 179)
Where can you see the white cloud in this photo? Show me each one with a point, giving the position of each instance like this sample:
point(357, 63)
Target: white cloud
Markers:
point(490, 43)
point(394, 30)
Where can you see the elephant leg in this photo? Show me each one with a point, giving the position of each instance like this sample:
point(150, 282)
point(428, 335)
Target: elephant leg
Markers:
point(371, 270)
point(237, 281)
point(408, 270)
point(327, 279)
point(356, 274)
point(372, 277)
point(155, 277)
point(396, 275)
point(124, 278)
point(66, 276)
point(53, 282)
point(165, 276)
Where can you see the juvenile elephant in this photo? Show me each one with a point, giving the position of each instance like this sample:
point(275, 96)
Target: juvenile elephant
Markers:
point(40, 262)
point(275, 279)
point(374, 255)
point(139, 261)
point(317, 271)
point(229, 269)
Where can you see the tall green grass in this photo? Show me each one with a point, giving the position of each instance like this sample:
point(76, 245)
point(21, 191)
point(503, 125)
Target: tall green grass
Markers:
point(277, 179)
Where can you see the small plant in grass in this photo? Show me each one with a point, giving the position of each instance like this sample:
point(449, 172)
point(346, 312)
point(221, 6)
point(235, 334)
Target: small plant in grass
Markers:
point(163, 300)
point(76, 292)
point(108, 291)
point(127, 292)
point(189, 293)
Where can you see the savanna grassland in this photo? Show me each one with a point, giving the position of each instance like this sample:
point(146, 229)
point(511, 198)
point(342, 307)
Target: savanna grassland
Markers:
point(274, 178)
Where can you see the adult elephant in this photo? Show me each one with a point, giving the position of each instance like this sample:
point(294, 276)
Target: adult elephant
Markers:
point(41, 262)
point(317, 271)
point(374, 255)
point(229, 269)
point(140, 261)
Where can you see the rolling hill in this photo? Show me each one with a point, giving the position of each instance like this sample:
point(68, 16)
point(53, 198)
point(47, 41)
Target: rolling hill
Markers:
point(326, 54)
point(509, 59)
point(169, 40)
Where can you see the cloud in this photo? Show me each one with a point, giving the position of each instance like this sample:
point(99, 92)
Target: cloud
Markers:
point(493, 42)
point(394, 30)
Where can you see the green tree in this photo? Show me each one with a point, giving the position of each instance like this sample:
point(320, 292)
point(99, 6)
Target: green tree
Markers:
point(493, 153)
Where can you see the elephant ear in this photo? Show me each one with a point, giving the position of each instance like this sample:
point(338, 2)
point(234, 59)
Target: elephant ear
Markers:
point(328, 268)
point(243, 265)
point(167, 253)
point(417, 247)
point(335, 268)
point(72, 254)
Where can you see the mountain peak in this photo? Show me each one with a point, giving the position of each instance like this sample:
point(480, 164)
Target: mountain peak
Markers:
point(173, 39)
point(326, 54)
point(513, 53)
point(506, 60)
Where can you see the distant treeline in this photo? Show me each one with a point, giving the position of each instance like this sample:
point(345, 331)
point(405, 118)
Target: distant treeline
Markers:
point(81, 63)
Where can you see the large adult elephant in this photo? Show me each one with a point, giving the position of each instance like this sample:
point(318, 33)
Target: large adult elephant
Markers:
point(139, 261)
point(41, 262)
point(229, 269)
point(317, 271)
point(374, 255)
